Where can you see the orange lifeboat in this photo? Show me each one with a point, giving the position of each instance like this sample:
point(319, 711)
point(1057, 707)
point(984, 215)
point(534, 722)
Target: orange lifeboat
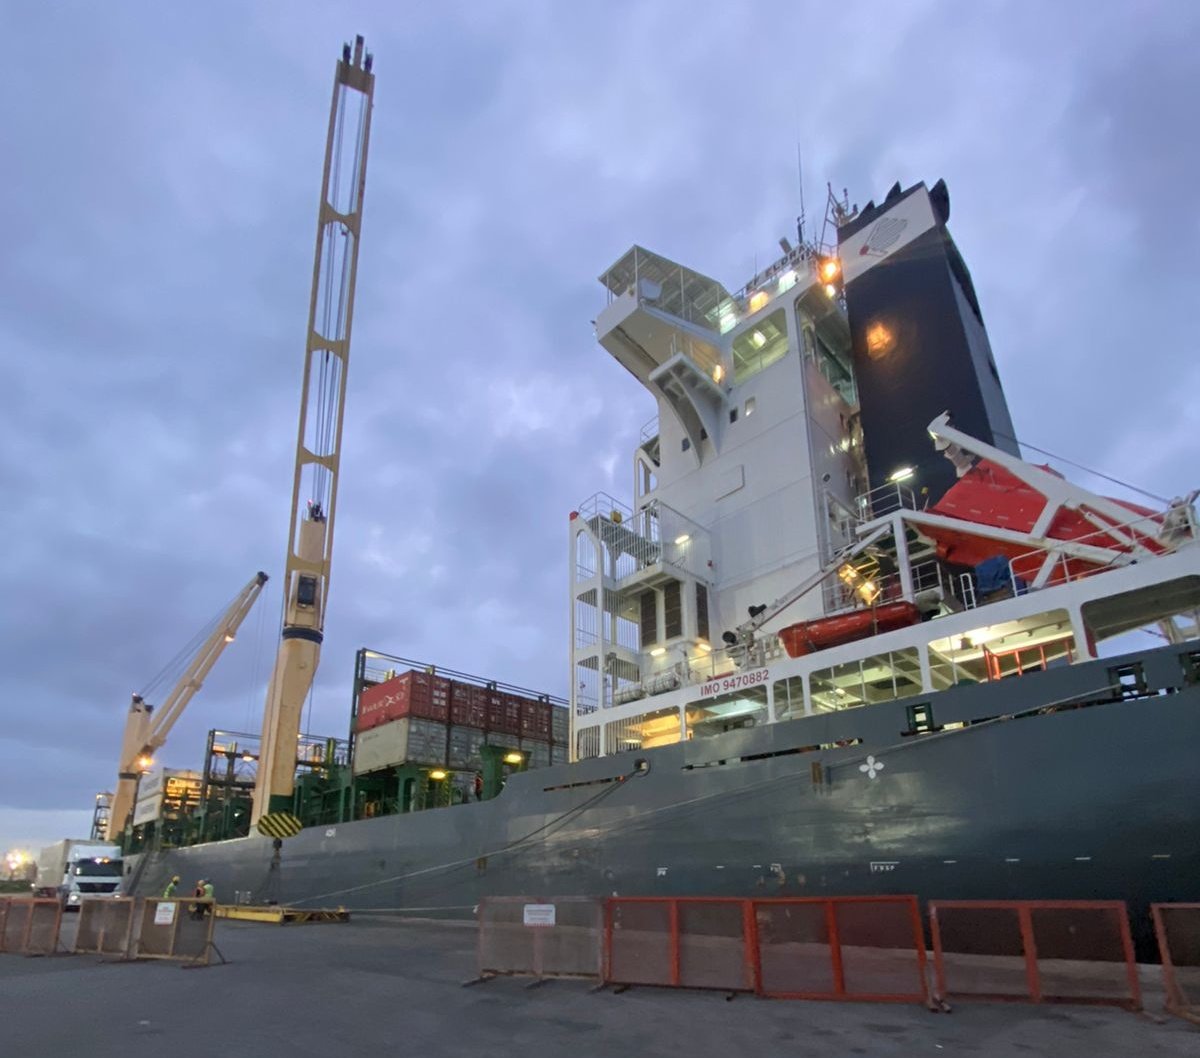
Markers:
point(807, 637)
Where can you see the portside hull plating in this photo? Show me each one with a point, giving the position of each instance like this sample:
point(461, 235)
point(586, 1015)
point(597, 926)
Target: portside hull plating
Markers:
point(1064, 792)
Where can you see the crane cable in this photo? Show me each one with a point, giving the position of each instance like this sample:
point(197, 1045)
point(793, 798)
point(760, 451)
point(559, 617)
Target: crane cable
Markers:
point(1087, 470)
point(174, 668)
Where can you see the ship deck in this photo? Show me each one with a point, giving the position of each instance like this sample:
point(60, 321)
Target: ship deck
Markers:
point(372, 986)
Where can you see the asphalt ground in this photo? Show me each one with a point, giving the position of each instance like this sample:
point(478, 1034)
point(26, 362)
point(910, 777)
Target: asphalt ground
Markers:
point(373, 987)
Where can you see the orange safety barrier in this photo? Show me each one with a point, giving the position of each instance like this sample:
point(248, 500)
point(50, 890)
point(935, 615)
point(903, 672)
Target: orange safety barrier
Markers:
point(540, 937)
point(1053, 951)
point(105, 926)
point(30, 926)
point(842, 948)
point(179, 928)
point(1177, 927)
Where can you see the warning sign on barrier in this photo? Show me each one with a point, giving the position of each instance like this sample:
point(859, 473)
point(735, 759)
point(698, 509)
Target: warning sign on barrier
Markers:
point(539, 914)
point(540, 938)
point(177, 929)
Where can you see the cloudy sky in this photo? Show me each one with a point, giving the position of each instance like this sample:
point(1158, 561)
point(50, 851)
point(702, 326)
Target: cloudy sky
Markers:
point(161, 174)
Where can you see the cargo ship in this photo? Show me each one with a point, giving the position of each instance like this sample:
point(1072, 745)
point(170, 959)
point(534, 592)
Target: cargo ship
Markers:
point(841, 639)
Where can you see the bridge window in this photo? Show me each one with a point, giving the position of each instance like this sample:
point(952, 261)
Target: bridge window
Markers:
point(759, 346)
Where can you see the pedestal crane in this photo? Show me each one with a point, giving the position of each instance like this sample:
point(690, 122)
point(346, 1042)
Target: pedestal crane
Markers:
point(318, 445)
point(147, 726)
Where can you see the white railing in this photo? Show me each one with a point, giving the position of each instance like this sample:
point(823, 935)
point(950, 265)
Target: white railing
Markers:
point(657, 534)
point(1160, 534)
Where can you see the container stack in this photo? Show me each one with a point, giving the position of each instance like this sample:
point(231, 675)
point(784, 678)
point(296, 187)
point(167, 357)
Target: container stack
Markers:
point(422, 718)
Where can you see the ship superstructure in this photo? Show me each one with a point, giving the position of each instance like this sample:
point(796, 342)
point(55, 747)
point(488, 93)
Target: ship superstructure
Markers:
point(792, 550)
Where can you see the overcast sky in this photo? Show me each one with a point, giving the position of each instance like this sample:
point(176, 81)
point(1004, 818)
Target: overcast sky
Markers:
point(161, 174)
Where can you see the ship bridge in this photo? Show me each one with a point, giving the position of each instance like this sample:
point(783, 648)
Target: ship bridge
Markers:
point(664, 323)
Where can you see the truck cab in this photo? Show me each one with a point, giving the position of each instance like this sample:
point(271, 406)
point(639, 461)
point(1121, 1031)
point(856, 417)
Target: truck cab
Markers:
point(75, 871)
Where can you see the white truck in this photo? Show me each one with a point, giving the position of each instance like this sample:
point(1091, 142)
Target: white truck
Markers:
point(76, 869)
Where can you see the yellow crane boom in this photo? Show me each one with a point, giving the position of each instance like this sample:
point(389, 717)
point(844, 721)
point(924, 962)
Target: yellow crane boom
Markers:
point(318, 445)
point(147, 726)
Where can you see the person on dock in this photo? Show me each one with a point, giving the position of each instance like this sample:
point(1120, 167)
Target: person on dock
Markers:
point(172, 885)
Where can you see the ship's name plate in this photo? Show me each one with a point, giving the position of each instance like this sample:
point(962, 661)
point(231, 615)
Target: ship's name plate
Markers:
point(735, 681)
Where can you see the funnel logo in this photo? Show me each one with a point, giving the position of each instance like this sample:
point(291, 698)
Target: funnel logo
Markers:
point(883, 237)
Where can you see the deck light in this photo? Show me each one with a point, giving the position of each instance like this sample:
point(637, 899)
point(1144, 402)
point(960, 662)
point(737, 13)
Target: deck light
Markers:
point(830, 290)
point(901, 474)
point(830, 268)
point(658, 652)
point(513, 758)
point(437, 774)
point(682, 539)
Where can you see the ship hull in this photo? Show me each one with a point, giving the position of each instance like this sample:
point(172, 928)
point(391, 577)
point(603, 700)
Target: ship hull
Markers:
point(1056, 789)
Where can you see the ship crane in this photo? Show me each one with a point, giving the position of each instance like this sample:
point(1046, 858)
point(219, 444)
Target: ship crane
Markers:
point(318, 445)
point(147, 727)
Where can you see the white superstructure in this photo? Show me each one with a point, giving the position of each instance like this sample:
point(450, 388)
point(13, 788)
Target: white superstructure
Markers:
point(752, 513)
point(744, 484)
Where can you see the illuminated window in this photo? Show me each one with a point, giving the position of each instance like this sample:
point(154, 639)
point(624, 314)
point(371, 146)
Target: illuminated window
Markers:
point(881, 678)
point(759, 346)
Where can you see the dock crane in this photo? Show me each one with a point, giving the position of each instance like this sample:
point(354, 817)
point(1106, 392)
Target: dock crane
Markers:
point(318, 445)
point(147, 726)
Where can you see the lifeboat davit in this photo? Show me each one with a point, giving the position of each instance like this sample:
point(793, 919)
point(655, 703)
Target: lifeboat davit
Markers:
point(807, 637)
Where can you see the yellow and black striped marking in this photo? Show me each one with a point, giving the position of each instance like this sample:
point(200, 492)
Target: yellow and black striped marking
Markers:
point(279, 825)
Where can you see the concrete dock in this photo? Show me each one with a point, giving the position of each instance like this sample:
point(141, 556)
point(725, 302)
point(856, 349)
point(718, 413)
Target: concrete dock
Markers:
point(361, 987)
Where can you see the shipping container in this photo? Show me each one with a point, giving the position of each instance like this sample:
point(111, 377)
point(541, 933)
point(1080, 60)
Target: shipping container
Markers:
point(560, 725)
point(409, 694)
point(535, 719)
point(410, 740)
point(537, 753)
point(464, 747)
point(468, 705)
point(504, 713)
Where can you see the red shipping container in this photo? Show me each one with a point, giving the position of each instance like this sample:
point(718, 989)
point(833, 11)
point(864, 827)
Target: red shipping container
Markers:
point(535, 719)
point(382, 703)
point(467, 708)
point(504, 713)
point(409, 694)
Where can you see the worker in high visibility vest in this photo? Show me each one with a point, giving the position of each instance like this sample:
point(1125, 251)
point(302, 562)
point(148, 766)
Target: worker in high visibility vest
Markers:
point(169, 891)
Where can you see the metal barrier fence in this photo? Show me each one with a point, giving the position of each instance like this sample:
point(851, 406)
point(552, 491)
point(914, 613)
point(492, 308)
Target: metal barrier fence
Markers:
point(552, 937)
point(1177, 927)
point(105, 926)
point(29, 926)
point(839, 948)
point(180, 929)
point(1054, 951)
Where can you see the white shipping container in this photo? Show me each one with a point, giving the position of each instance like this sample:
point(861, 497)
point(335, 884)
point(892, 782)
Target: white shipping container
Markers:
point(405, 741)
